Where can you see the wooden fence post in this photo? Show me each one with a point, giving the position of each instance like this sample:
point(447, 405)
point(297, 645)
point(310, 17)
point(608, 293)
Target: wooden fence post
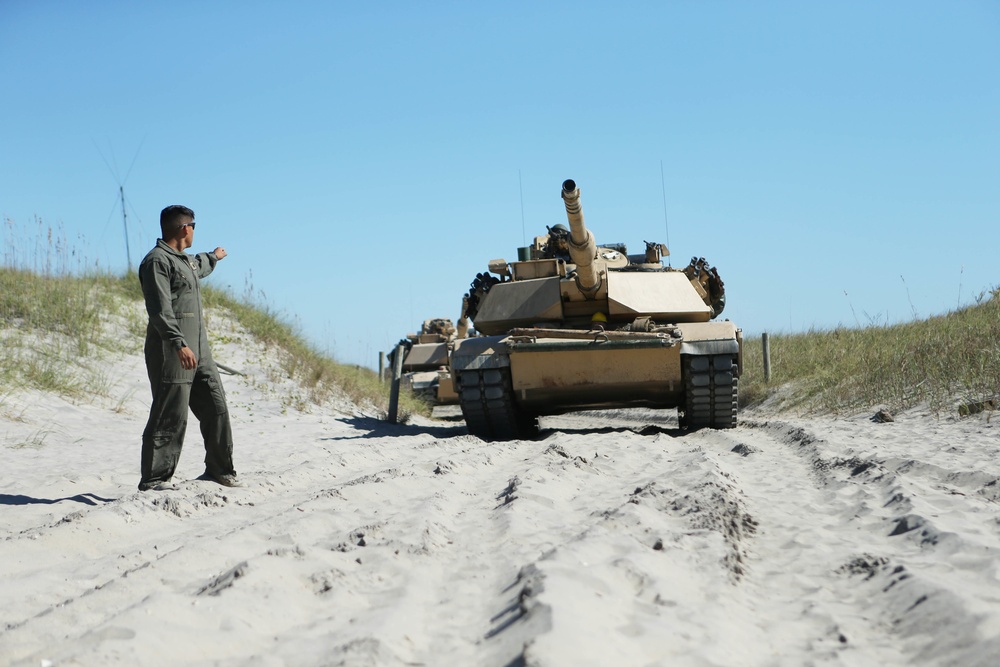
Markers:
point(767, 357)
point(397, 372)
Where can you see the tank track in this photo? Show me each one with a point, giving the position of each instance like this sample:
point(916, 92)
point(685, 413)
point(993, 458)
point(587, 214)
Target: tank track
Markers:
point(710, 391)
point(487, 400)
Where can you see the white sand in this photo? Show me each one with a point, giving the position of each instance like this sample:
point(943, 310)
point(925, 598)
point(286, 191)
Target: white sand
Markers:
point(356, 542)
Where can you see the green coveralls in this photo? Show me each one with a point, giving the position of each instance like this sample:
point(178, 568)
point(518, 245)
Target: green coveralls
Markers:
point(171, 287)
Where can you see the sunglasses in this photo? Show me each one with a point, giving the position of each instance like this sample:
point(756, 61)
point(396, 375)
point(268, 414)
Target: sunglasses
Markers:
point(187, 224)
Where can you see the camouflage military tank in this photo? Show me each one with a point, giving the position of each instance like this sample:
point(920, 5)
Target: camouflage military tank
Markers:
point(425, 369)
point(575, 326)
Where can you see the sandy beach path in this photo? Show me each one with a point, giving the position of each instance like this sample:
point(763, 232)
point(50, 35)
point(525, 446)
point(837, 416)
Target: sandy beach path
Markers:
point(611, 539)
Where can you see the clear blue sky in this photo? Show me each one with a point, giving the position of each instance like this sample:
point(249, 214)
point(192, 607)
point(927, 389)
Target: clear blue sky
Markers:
point(838, 162)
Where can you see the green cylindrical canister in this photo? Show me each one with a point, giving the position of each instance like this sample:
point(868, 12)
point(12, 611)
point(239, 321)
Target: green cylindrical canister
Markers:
point(524, 254)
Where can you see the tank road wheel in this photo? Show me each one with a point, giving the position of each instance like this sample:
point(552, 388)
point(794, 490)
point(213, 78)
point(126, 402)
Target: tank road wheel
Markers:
point(710, 391)
point(487, 401)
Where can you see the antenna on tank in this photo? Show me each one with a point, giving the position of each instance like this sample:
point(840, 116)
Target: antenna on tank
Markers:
point(121, 195)
point(524, 237)
point(663, 188)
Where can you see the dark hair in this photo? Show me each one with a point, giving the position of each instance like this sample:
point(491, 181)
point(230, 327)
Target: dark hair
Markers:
point(170, 218)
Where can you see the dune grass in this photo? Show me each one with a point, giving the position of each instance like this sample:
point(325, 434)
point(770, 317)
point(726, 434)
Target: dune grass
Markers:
point(48, 325)
point(318, 373)
point(53, 316)
point(948, 362)
point(51, 323)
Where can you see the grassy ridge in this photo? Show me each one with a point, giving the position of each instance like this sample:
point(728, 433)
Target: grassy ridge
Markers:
point(944, 362)
point(319, 374)
point(50, 324)
point(54, 311)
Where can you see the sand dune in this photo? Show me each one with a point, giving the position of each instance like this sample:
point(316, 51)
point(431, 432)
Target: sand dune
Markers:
point(613, 539)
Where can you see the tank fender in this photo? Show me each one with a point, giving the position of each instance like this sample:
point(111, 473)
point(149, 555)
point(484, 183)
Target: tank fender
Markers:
point(480, 352)
point(709, 338)
point(728, 346)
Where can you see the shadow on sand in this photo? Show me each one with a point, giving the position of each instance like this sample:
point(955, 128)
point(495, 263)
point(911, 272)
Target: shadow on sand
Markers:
point(369, 427)
point(85, 498)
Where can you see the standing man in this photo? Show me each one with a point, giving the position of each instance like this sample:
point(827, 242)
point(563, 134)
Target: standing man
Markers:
point(181, 371)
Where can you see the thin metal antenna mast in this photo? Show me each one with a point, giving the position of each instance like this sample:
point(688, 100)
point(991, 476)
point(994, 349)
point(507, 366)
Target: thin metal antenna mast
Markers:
point(663, 188)
point(121, 193)
point(128, 251)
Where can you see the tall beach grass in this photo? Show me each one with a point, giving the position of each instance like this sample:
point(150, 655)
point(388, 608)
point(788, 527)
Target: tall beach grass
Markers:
point(949, 363)
point(54, 310)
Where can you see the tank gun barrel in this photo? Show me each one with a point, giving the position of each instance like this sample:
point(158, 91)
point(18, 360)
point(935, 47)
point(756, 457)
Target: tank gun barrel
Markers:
point(582, 248)
point(462, 329)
